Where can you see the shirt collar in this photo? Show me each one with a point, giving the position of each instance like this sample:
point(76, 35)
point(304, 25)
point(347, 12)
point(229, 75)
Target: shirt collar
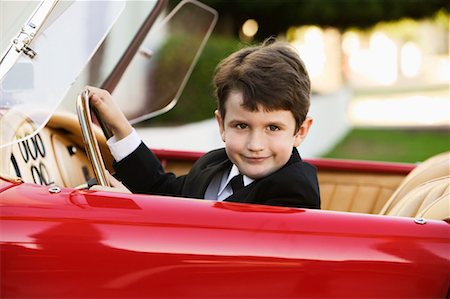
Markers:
point(234, 171)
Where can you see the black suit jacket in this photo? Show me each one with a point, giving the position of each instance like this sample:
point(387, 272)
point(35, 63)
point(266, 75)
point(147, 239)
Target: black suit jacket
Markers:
point(294, 185)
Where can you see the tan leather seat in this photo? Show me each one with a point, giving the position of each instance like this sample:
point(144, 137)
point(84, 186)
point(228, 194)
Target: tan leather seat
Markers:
point(439, 209)
point(434, 167)
point(419, 200)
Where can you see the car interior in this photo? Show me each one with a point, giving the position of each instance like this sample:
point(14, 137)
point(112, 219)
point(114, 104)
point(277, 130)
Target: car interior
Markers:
point(56, 156)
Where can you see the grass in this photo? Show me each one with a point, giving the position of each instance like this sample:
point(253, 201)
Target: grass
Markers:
point(398, 145)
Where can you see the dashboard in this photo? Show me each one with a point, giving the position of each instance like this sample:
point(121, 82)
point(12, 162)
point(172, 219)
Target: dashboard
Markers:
point(53, 156)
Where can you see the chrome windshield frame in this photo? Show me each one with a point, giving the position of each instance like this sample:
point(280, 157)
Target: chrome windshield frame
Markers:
point(25, 37)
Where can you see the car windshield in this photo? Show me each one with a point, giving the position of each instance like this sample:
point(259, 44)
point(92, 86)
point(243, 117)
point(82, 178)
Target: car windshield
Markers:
point(158, 73)
point(32, 87)
point(70, 57)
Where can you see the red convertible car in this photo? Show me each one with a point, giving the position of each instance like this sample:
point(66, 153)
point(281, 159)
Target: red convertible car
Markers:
point(383, 230)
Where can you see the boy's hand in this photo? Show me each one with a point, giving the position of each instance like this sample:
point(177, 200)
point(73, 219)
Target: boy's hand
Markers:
point(109, 112)
point(116, 186)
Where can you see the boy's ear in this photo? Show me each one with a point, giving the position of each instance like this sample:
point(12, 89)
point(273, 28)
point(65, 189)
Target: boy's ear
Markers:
point(220, 124)
point(303, 131)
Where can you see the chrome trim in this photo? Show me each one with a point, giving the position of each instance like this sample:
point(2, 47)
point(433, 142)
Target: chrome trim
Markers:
point(21, 44)
point(420, 221)
point(23, 40)
point(90, 141)
point(54, 190)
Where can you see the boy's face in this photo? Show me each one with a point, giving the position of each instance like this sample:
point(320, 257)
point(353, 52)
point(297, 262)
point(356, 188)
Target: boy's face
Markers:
point(259, 142)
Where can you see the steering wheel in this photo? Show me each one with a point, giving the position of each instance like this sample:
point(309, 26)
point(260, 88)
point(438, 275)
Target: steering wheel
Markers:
point(89, 139)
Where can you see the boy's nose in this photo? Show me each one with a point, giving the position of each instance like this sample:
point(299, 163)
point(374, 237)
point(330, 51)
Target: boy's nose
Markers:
point(255, 142)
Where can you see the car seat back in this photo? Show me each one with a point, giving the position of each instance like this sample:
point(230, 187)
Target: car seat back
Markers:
point(434, 167)
point(439, 209)
point(421, 198)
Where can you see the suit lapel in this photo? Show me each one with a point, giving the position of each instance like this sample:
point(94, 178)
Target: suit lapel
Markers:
point(203, 177)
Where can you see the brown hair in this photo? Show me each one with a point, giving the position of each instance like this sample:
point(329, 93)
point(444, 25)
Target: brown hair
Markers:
point(270, 75)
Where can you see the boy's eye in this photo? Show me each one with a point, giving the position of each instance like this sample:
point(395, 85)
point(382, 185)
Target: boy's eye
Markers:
point(241, 126)
point(273, 128)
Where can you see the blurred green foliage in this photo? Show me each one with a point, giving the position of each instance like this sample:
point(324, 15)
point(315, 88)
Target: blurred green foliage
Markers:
point(276, 16)
point(397, 145)
point(197, 101)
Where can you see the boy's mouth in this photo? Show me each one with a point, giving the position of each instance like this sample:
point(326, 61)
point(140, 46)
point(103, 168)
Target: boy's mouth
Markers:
point(254, 160)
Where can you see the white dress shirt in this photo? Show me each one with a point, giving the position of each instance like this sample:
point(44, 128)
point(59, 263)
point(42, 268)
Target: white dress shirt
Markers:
point(219, 187)
point(122, 148)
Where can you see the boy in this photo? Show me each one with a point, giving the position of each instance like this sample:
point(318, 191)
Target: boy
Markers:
point(263, 97)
